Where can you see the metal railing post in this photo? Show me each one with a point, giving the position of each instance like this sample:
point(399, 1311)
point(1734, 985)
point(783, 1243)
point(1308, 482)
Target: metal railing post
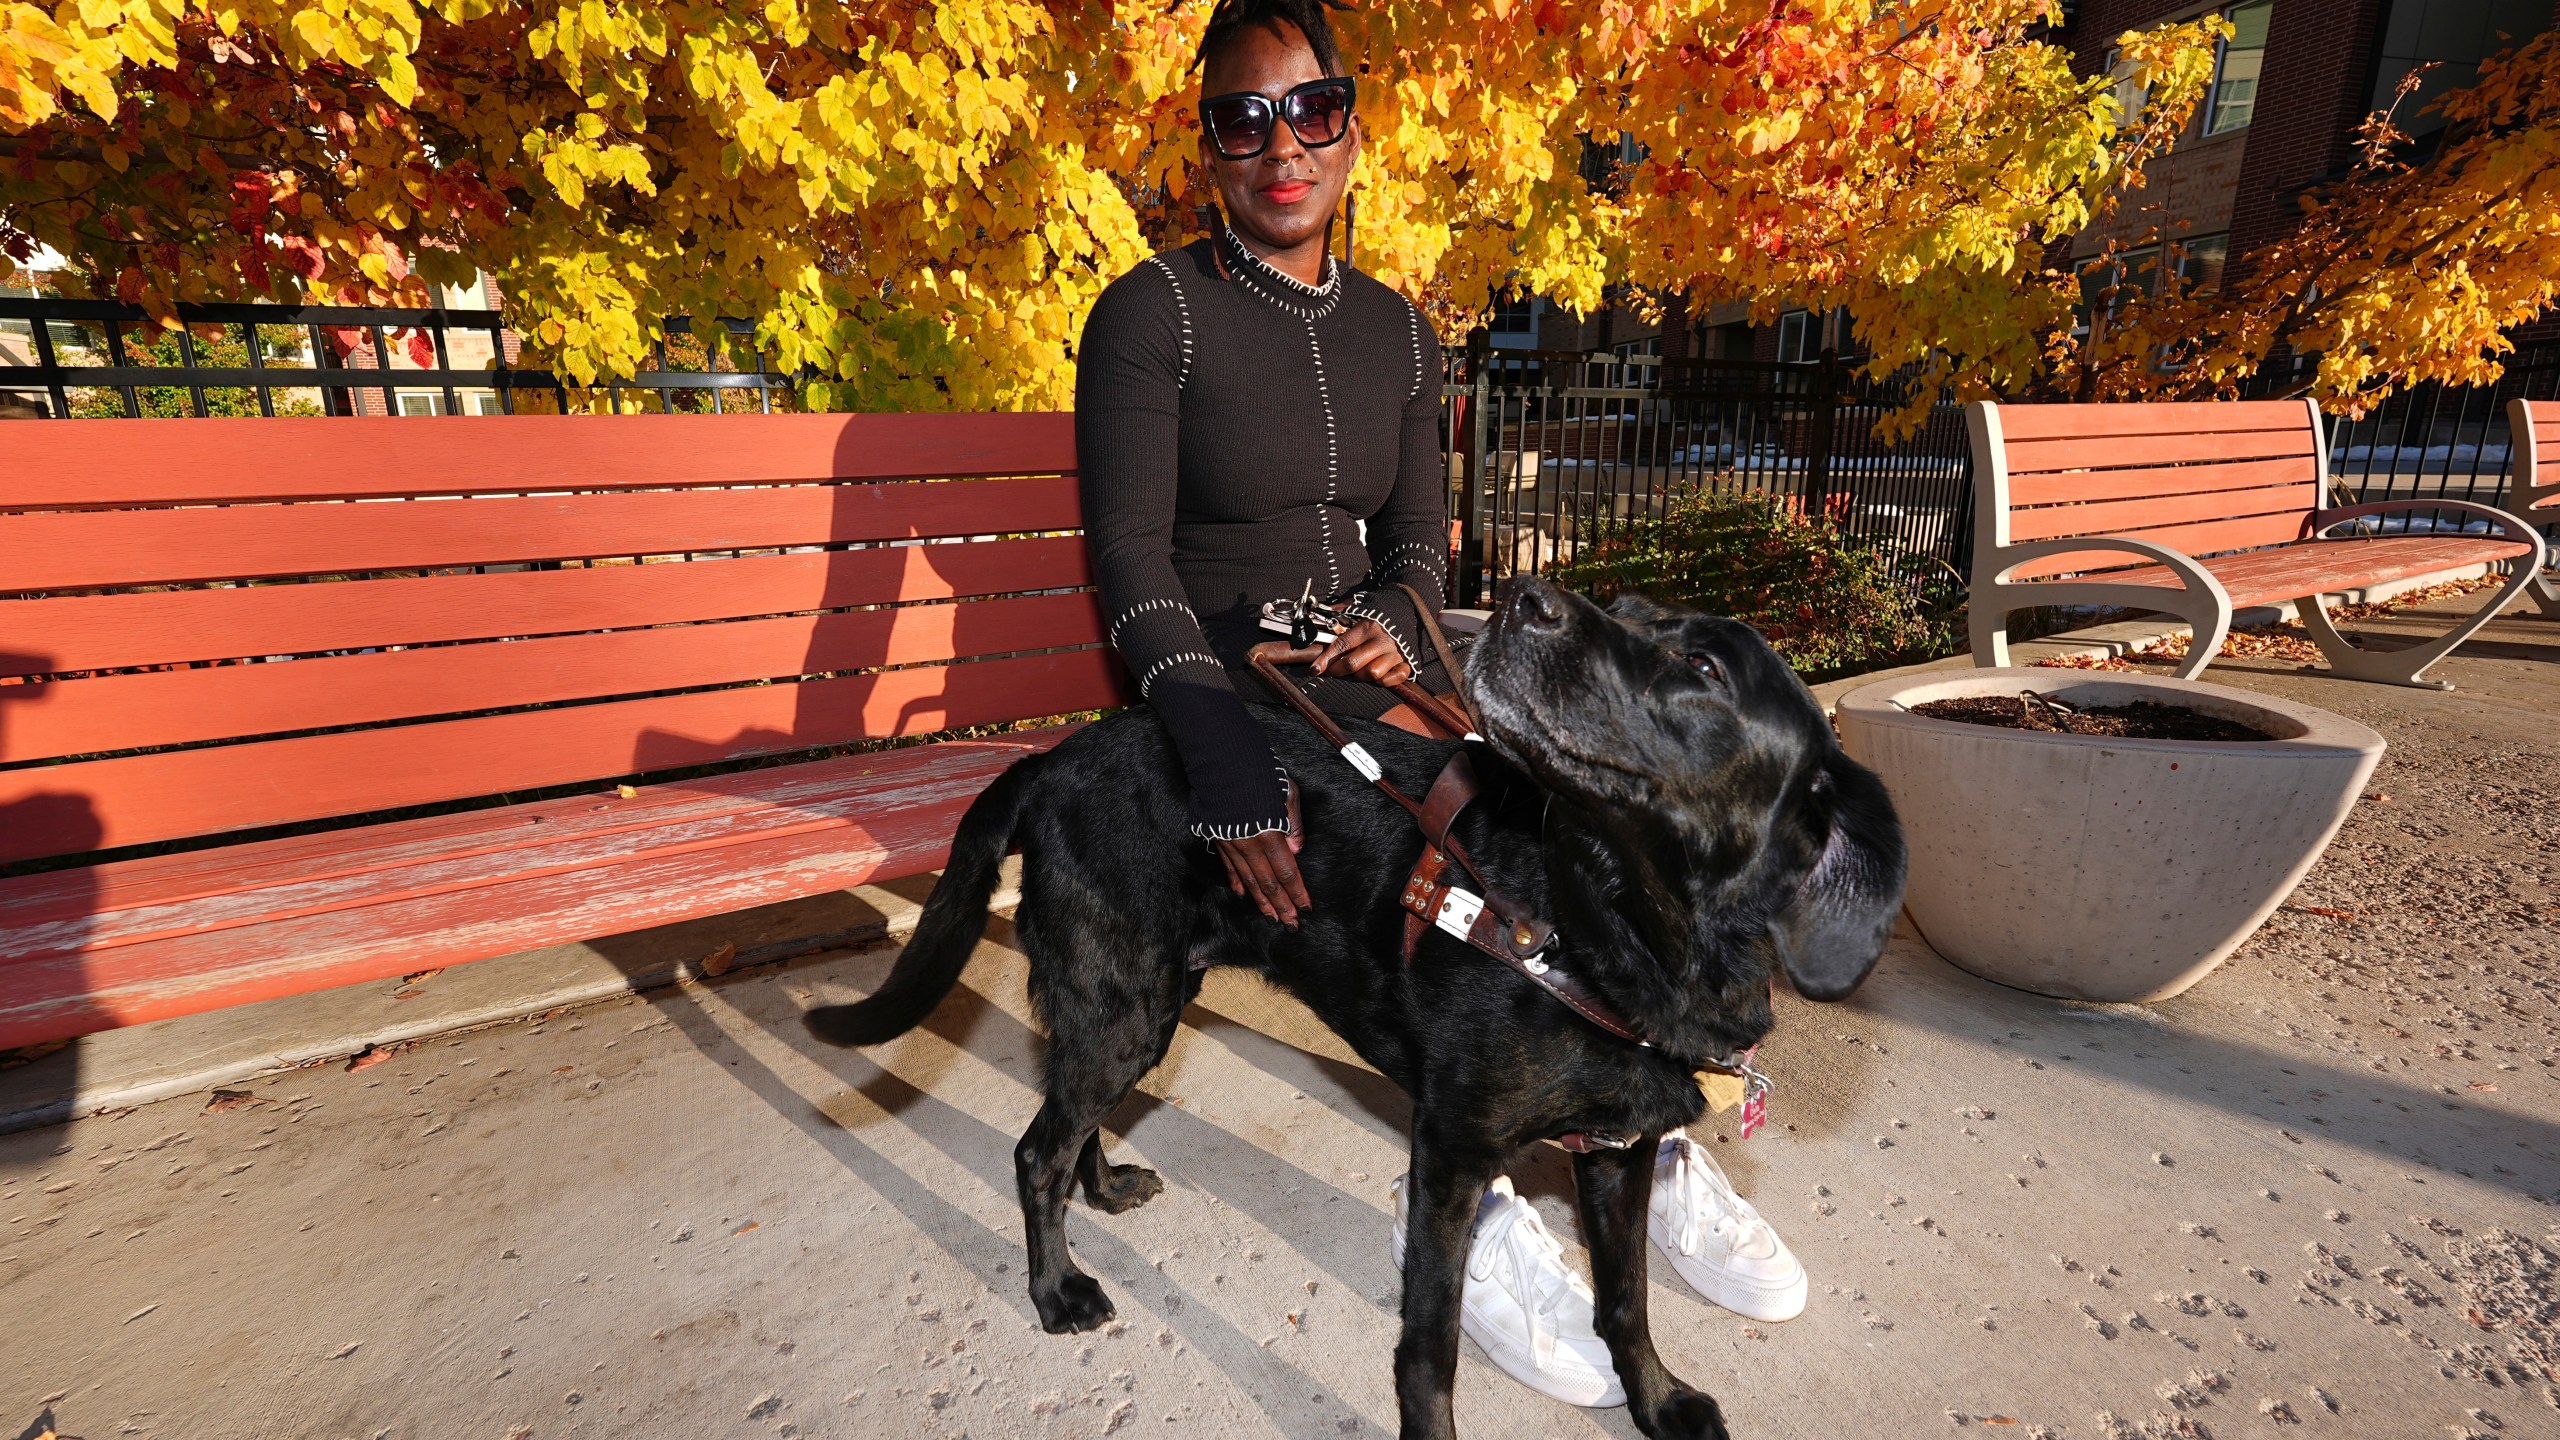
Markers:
point(1471, 473)
point(1818, 434)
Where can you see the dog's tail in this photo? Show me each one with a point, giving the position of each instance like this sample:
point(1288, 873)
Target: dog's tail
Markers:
point(954, 921)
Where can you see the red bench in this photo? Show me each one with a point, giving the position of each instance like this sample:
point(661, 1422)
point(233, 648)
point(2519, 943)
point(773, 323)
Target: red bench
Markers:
point(2533, 491)
point(210, 629)
point(2196, 510)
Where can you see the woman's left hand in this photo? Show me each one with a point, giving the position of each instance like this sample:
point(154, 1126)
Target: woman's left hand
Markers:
point(1367, 652)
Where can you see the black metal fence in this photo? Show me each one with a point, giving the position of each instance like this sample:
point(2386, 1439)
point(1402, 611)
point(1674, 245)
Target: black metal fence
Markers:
point(2440, 440)
point(64, 358)
point(1550, 452)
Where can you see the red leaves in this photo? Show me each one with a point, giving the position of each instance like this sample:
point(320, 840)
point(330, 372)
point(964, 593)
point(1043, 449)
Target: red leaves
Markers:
point(305, 257)
point(422, 348)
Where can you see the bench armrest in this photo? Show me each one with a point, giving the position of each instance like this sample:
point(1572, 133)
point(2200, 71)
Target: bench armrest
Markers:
point(2509, 526)
point(2008, 557)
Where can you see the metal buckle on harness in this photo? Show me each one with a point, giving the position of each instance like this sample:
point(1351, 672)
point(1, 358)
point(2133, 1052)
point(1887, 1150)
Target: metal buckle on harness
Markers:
point(1458, 911)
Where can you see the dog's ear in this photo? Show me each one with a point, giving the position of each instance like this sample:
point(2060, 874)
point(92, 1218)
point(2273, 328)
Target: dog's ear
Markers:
point(1831, 935)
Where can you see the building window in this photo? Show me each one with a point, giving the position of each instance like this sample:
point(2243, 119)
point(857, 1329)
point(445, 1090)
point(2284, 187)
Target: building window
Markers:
point(2198, 262)
point(412, 403)
point(2235, 68)
point(2132, 95)
point(1513, 323)
point(1797, 335)
point(2452, 35)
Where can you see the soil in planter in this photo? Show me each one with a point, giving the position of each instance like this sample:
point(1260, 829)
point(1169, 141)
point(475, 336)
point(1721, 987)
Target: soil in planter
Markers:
point(2141, 720)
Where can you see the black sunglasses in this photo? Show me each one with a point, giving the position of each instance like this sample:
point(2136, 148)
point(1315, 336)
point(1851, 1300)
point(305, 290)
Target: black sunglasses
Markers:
point(1318, 112)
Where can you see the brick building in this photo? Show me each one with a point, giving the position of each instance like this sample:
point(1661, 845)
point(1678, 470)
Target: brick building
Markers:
point(2290, 89)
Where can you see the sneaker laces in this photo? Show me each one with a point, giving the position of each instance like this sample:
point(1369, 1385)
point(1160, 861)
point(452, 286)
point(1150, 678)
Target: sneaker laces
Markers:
point(1731, 1218)
point(1538, 1262)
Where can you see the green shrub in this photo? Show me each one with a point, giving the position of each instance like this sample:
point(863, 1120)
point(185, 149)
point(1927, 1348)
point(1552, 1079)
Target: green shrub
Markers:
point(1829, 604)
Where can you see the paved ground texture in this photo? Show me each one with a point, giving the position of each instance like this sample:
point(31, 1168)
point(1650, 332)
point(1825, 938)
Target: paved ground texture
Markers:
point(2313, 1195)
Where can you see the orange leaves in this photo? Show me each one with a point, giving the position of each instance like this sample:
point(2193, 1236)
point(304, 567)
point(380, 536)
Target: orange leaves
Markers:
point(919, 199)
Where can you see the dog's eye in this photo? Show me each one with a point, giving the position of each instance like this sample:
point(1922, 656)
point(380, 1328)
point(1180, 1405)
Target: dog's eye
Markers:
point(1704, 664)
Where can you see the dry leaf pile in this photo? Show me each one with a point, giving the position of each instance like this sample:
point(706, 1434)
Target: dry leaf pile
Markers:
point(2285, 640)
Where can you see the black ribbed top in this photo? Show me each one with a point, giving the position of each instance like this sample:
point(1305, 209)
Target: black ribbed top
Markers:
point(1232, 436)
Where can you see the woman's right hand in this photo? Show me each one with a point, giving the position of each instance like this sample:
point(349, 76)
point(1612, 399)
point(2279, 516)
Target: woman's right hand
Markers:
point(1265, 868)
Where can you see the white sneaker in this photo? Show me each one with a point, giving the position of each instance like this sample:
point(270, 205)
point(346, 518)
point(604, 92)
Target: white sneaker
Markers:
point(1529, 1311)
point(1717, 1242)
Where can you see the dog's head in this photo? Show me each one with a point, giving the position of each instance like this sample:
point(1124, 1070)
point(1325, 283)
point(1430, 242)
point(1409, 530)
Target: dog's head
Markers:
point(1671, 728)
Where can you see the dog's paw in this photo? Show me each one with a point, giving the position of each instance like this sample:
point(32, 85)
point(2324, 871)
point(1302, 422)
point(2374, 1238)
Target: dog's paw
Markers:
point(1124, 1187)
point(1684, 1415)
point(1077, 1304)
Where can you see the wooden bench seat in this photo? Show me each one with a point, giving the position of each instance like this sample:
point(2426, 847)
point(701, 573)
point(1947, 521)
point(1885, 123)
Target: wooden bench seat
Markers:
point(2197, 509)
point(2533, 484)
point(451, 610)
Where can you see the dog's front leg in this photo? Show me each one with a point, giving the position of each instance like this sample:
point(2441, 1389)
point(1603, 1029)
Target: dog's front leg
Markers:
point(1613, 1187)
point(1441, 1195)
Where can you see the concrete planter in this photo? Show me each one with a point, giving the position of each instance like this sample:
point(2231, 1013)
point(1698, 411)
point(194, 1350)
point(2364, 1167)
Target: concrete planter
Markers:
point(2095, 868)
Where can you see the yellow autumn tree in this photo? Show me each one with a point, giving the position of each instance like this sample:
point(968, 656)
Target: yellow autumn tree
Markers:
point(917, 202)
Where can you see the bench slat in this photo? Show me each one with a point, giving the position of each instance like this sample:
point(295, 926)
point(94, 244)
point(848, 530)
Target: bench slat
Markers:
point(2204, 538)
point(184, 461)
point(2159, 417)
point(2081, 486)
point(103, 804)
point(2031, 457)
point(105, 632)
point(409, 898)
point(178, 707)
point(84, 549)
point(332, 858)
point(2289, 572)
point(2153, 513)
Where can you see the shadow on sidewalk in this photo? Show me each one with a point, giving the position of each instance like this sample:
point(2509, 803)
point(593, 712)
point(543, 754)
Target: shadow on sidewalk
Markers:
point(1191, 1151)
point(2160, 1052)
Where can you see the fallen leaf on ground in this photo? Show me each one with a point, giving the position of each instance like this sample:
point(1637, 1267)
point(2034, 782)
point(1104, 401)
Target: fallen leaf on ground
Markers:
point(373, 1055)
point(2482, 1085)
point(626, 792)
point(722, 960)
point(2323, 910)
point(29, 1054)
point(226, 1101)
point(750, 1225)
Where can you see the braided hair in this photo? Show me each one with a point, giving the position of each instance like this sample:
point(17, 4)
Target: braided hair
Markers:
point(1232, 18)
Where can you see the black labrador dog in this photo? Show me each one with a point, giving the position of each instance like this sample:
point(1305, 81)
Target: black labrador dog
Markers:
point(1661, 787)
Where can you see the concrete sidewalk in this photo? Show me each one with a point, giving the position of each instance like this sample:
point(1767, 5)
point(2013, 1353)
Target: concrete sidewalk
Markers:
point(2314, 1189)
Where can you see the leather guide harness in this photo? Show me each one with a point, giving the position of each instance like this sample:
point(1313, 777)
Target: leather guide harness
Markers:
point(1483, 917)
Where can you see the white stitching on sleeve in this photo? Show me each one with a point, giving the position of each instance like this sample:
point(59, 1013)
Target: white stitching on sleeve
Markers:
point(1182, 377)
point(1142, 607)
point(1379, 614)
point(1168, 662)
point(1246, 829)
point(1413, 327)
point(1434, 559)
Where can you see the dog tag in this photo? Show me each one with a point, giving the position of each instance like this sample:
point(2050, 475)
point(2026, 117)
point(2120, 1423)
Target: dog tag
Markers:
point(1755, 1105)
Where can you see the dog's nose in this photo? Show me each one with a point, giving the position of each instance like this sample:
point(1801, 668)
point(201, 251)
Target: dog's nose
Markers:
point(1534, 602)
